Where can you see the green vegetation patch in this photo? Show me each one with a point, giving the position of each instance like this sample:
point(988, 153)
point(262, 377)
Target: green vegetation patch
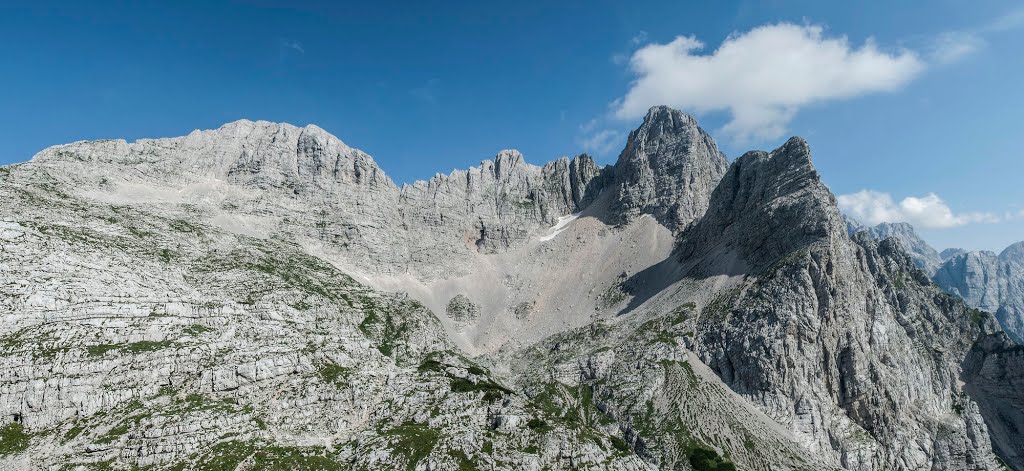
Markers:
point(333, 373)
point(462, 461)
point(147, 346)
point(134, 347)
point(74, 432)
point(114, 433)
point(13, 439)
point(573, 407)
point(539, 425)
point(227, 456)
point(706, 459)
point(101, 349)
point(390, 325)
point(182, 225)
point(196, 330)
point(413, 441)
point(492, 391)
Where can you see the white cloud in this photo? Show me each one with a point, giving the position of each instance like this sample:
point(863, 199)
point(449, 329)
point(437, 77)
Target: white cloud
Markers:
point(600, 143)
point(929, 211)
point(598, 140)
point(1012, 19)
point(761, 77)
point(952, 46)
point(639, 39)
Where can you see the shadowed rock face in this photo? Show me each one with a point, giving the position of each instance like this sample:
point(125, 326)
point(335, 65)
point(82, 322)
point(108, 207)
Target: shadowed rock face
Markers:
point(766, 206)
point(994, 374)
point(176, 301)
point(668, 170)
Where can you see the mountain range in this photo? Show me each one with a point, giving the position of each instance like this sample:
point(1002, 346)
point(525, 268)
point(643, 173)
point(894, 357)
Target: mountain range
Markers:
point(264, 296)
point(987, 281)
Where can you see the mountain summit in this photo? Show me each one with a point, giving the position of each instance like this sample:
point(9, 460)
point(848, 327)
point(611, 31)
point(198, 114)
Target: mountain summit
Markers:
point(263, 296)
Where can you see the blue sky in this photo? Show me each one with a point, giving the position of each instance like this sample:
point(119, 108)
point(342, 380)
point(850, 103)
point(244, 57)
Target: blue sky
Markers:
point(921, 106)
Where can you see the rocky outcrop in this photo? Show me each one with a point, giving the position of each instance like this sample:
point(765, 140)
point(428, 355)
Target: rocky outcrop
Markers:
point(994, 375)
point(462, 310)
point(950, 253)
point(338, 196)
point(841, 340)
point(990, 282)
point(499, 204)
point(984, 280)
point(765, 207)
point(668, 170)
point(923, 255)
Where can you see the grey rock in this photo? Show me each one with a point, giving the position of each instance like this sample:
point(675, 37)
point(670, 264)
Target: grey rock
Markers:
point(463, 310)
point(994, 375)
point(262, 290)
point(990, 282)
point(668, 169)
point(833, 337)
point(950, 253)
point(924, 256)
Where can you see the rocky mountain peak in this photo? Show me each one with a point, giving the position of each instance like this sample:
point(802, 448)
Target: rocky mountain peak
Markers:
point(1013, 253)
point(950, 253)
point(255, 154)
point(766, 206)
point(990, 282)
point(667, 169)
point(506, 161)
point(924, 256)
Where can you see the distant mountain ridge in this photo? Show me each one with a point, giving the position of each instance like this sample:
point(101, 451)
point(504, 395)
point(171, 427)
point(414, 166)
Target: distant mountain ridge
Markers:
point(987, 281)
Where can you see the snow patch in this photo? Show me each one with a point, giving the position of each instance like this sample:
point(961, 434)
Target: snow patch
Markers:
point(563, 223)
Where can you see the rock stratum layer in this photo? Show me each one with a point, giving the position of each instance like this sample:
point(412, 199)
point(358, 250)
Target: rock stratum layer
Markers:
point(263, 296)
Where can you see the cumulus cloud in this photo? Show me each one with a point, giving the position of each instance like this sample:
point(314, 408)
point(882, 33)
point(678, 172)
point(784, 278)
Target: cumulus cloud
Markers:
point(929, 211)
point(761, 77)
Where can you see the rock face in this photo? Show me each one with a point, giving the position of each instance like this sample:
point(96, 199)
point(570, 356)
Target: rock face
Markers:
point(990, 282)
point(994, 376)
point(831, 337)
point(263, 296)
point(766, 206)
point(950, 253)
point(338, 196)
point(923, 255)
point(462, 310)
point(668, 169)
point(984, 280)
point(499, 204)
point(142, 335)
